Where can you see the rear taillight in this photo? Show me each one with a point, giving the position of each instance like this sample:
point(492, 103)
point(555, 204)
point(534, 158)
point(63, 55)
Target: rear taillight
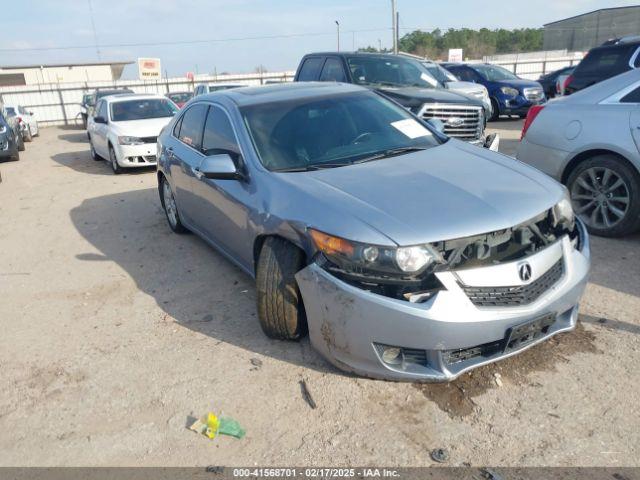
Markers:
point(567, 82)
point(531, 116)
point(19, 120)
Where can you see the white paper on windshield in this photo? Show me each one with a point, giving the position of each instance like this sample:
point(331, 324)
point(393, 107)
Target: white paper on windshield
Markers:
point(411, 128)
point(428, 79)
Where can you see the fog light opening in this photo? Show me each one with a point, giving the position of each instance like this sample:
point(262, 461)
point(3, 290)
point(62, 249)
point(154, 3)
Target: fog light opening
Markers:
point(392, 355)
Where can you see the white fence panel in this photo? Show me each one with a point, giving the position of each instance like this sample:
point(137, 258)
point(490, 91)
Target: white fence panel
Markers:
point(59, 104)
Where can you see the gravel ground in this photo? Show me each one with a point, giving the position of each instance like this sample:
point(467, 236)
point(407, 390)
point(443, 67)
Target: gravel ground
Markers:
point(115, 332)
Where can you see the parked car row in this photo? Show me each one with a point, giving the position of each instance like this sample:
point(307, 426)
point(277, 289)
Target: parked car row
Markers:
point(17, 126)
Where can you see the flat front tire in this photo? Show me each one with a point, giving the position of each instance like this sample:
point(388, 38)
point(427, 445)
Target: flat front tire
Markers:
point(605, 192)
point(280, 308)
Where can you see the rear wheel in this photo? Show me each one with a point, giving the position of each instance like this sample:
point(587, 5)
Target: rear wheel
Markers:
point(495, 114)
point(92, 151)
point(113, 160)
point(605, 193)
point(280, 308)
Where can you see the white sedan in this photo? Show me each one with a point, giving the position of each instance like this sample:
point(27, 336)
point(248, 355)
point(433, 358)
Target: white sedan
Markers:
point(125, 128)
point(26, 119)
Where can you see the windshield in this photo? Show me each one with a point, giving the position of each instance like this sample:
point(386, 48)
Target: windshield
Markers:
point(141, 109)
point(11, 111)
point(183, 97)
point(331, 131)
point(439, 73)
point(494, 73)
point(389, 71)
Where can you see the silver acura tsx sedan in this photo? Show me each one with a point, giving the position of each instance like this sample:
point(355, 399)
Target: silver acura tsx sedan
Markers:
point(405, 254)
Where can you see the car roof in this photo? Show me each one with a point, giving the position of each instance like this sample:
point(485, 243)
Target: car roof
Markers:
point(122, 97)
point(278, 92)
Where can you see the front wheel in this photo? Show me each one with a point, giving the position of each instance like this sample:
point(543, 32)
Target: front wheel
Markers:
point(113, 160)
point(27, 134)
point(280, 308)
point(20, 142)
point(170, 208)
point(495, 114)
point(605, 193)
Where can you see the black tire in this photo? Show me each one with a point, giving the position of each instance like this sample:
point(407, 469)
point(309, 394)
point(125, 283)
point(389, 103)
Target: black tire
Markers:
point(495, 114)
point(627, 223)
point(16, 156)
point(28, 137)
point(84, 120)
point(113, 161)
point(93, 153)
point(280, 308)
point(20, 142)
point(175, 223)
point(522, 115)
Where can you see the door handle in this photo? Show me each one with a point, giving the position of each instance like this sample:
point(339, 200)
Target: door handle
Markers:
point(196, 171)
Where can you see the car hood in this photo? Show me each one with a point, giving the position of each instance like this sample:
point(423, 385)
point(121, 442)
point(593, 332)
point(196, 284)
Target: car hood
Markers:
point(465, 87)
point(415, 96)
point(447, 192)
point(140, 128)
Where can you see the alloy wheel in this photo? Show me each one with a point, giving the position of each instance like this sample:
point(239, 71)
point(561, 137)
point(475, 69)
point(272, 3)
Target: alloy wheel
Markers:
point(169, 204)
point(600, 197)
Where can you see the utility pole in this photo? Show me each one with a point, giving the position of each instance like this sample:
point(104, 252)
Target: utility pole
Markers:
point(379, 45)
point(397, 31)
point(338, 29)
point(353, 40)
point(394, 26)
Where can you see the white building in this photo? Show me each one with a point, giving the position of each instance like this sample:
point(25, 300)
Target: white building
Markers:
point(61, 73)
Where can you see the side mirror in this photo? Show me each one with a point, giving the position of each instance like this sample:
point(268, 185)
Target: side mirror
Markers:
point(437, 124)
point(99, 120)
point(220, 167)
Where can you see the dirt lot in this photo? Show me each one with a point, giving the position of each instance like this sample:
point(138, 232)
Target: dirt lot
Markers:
point(115, 332)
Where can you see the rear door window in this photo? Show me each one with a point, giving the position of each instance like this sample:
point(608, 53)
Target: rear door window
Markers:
point(333, 71)
point(192, 124)
point(218, 134)
point(631, 97)
point(310, 69)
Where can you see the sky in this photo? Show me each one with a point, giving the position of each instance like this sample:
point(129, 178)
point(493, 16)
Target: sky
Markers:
point(239, 35)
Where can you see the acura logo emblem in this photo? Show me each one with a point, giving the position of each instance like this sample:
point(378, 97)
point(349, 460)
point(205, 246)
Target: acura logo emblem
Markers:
point(524, 271)
point(455, 122)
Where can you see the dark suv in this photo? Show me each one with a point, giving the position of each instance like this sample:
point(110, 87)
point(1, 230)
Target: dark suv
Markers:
point(605, 61)
point(510, 94)
point(404, 80)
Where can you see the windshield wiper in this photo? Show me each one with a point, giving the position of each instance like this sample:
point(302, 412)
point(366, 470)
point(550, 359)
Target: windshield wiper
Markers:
point(310, 168)
point(392, 152)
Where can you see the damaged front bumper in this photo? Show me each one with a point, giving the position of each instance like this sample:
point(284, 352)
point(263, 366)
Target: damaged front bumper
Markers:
point(449, 334)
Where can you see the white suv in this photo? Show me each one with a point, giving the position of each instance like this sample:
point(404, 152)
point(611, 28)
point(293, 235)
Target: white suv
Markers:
point(125, 128)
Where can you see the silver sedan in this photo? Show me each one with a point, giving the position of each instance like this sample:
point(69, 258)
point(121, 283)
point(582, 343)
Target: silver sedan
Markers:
point(404, 253)
point(589, 141)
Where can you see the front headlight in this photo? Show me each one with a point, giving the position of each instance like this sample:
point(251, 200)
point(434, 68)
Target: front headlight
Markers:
point(511, 92)
point(563, 211)
point(125, 140)
point(3, 129)
point(360, 257)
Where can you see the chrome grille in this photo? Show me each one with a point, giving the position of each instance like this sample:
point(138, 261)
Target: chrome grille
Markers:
point(470, 123)
point(517, 295)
